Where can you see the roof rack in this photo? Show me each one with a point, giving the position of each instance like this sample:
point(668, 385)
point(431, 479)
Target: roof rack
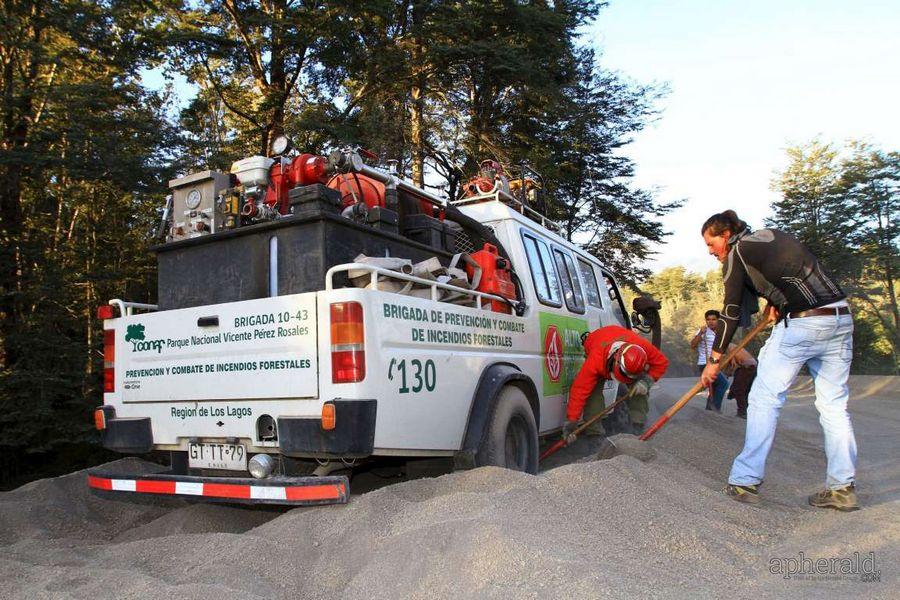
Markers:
point(514, 203)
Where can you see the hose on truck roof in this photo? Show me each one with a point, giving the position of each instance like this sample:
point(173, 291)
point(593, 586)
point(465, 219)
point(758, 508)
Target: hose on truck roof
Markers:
point(479, 230)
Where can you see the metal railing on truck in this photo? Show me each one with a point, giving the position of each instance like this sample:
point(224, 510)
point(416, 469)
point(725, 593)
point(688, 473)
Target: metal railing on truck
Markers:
point(376, 272)
point(126, 309)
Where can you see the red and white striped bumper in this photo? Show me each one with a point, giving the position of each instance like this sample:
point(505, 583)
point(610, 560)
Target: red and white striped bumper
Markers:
point(281, 490)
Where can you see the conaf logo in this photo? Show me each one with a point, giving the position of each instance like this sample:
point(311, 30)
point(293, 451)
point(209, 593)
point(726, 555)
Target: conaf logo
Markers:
point(135, 335)
point(134, 332)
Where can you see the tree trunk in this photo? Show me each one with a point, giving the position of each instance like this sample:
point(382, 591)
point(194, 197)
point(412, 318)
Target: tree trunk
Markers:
point(17, 114)
point(417, 135)
point(418, 91)
point(10, 256)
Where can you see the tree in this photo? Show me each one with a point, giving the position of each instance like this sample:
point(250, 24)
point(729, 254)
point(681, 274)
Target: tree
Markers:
point(507, 81)
point(870, 185)
point(581, 152)
point(842, 204)
point(464, 81)
point(812, 206)
point(507, 63)
point(84, 151)
point(252, 55)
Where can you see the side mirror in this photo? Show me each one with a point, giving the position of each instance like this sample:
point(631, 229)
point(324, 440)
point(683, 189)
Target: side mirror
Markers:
point(645, 317)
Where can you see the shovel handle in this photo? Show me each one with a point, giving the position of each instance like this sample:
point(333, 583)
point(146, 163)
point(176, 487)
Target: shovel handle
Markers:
point(552, 449)
point(563, 442)
point(763, 323)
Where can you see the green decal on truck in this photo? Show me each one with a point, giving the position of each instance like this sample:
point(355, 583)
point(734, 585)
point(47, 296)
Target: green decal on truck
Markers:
point(134, 332)
point(563, 354)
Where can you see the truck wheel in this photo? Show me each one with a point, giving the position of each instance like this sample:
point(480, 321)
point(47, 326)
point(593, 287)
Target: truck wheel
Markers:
point(512, 436)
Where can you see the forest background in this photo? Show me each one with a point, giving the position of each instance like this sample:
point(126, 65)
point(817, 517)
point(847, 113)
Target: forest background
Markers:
point(87, 149)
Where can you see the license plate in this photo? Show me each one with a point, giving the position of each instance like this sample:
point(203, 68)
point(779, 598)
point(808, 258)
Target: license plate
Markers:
point(232, 457)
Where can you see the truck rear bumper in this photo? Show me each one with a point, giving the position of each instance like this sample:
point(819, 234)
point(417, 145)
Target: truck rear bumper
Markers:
point(131, 436)
point(295, 491)
point(352, 436)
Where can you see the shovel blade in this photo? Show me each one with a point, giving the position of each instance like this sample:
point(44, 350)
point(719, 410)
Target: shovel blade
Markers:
point(627, 444)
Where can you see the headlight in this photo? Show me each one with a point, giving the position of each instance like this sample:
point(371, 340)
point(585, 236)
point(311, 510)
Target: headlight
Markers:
point(261, 466)
point(281, 145)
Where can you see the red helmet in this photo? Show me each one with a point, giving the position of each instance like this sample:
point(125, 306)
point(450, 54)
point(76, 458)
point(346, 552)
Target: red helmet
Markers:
point(629, 362)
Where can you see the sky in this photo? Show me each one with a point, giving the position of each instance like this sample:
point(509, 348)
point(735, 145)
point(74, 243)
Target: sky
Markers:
point(747, 80)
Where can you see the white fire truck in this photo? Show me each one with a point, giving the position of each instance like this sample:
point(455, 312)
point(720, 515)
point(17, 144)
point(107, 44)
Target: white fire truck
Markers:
point(316, 313)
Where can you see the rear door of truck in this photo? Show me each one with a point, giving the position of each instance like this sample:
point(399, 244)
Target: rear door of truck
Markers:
point(250, 350)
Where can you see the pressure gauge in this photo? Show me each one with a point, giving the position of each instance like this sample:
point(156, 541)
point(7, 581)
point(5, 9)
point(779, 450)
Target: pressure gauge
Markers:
point(193, 199)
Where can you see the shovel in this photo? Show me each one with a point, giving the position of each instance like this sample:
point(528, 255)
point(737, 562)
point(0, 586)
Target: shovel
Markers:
point(763, 323)
point(566, 441)
point(608, 448)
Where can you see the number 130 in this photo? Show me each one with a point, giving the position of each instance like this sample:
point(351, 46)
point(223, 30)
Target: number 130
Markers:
point(423, 375)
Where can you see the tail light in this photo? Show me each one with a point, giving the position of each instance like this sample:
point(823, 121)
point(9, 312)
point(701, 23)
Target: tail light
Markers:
point(106, 311)
point(99, 419)
point(348, 355)
point(109, 360)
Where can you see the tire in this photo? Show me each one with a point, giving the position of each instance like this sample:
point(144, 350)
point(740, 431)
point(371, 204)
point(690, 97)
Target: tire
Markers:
point(511, 440)
point(620, 419)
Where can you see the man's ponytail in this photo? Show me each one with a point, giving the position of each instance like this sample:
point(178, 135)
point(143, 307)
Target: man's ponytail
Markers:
point(721, 222)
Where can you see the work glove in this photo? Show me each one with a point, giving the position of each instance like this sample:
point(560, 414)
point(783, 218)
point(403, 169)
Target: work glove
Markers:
point(568, 429)
point(641, 387)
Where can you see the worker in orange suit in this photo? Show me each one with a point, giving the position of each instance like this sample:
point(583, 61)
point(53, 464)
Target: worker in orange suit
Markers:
point(614, 352)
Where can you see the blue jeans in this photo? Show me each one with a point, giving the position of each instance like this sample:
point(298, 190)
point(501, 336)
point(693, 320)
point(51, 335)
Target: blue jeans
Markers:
point(825, 345)
point(719, 387)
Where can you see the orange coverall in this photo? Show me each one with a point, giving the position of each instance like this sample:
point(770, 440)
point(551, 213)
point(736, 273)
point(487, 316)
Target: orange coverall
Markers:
point(595, 367)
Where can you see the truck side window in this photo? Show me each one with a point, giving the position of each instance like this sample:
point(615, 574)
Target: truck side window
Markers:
point(542, 272)
point(570, 283)
point(618, 305)
point(590, 284)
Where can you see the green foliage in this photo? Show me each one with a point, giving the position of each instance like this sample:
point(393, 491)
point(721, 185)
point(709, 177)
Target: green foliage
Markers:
point(251, 57)
point(508, 81)
point(685, 297)
point(576, 146)
point(812, 205)
point(842, 203)
point(83, 167)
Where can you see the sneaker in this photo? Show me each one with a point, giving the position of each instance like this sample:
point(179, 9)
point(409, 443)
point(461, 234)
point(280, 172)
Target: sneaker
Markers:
point(843, 499)
point(749, 494)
